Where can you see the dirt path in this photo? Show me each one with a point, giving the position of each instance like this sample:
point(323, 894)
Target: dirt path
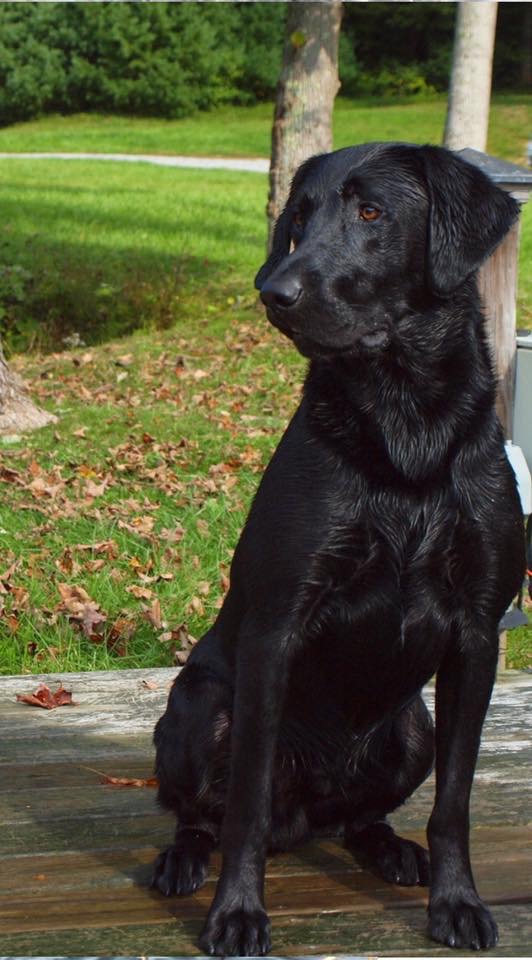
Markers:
point(251, 164)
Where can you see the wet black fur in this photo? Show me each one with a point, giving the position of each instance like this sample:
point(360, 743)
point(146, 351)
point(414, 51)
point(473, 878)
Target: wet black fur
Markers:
point(383, 546)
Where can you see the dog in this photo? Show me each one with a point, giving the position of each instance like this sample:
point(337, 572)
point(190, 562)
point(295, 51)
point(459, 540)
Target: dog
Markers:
point(383, 545)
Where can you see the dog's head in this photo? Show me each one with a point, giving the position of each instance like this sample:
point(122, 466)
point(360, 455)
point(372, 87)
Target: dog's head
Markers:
point(372, 233)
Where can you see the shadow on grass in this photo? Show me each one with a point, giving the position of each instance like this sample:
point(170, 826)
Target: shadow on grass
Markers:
point(100, 252)
point(96, 293)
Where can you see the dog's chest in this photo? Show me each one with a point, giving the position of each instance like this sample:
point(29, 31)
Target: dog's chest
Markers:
point(382, 593)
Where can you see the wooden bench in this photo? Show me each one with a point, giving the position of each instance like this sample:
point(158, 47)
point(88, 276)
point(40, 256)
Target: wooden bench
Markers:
point(76, 854)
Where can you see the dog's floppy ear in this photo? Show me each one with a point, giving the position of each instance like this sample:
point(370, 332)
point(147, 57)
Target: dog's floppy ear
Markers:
point(469, 216)
point(281, 234)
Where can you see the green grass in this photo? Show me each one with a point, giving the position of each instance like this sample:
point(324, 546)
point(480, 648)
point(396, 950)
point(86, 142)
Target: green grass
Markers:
point(245, 131)
point(178, 427)
point(109, 248)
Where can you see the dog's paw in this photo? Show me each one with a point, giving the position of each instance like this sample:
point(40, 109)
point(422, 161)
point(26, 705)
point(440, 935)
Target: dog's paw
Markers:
point(236, 933)
point(181, 870)
point(393, 858)
point(462, 922)
point(404, 862)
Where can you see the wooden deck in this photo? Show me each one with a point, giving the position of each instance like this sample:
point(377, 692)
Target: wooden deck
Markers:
point(75, 855)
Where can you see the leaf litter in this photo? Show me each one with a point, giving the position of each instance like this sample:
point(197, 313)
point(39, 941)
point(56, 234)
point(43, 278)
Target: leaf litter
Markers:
point(143, 489)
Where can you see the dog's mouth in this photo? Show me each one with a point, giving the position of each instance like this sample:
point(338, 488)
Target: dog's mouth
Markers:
point(368, 335)
point(369, 340)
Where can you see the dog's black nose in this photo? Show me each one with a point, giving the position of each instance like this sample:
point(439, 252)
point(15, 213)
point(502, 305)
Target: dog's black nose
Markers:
point(284, 292)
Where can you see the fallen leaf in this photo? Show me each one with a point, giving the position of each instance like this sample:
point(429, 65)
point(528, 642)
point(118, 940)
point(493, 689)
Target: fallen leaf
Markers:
point(129, 781)
point(173, 535)
point(154, 616)
point(119, 634)
point(76, 602)
point(142, 593)
point(43, 697)
point(125, 360)
point(21, 598)
point(66, 563)
point(196, 606)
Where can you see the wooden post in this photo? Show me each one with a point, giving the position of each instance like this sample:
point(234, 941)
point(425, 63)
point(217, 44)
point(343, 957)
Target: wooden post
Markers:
point(497, 282)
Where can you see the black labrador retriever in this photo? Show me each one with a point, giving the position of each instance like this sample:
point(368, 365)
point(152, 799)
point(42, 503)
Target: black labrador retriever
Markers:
point(383, 545)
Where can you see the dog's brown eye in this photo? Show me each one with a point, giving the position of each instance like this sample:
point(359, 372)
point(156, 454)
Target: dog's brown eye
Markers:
point(368, 212)
point(297, 219)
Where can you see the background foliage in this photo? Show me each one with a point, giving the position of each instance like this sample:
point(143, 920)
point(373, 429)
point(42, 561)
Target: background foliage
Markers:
point(171, 59)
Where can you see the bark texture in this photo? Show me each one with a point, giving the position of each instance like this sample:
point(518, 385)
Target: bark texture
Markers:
point(17, 412)
point(470, 88)
point(302, 124)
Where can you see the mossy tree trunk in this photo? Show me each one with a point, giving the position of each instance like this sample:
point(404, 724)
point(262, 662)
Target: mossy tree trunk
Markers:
point(302, 124)
point(17, 412)
point(470, 86)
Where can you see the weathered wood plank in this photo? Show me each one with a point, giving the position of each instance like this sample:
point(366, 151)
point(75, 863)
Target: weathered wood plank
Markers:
point(76, 852)
point(27, 806)
point(400, 934)
point(41, 775)
point(110, 832)
point(107, 894)
point(61, 872)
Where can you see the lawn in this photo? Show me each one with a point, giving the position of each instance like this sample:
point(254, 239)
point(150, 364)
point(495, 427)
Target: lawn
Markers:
point(245, 131)
point(170, 411)
point(137, 495)
point(107, 248)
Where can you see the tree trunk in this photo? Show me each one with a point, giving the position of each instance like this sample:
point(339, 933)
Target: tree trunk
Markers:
point(17, 411)
point(302, 124)
point(470, 87)
point(526, 64)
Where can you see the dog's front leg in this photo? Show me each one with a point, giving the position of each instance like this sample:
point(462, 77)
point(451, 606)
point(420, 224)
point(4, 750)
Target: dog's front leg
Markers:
point(237, 923)
point(457, 915)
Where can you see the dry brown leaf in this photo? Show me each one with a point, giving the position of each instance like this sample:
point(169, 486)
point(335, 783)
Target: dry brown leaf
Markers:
point(125, 360)
point(153, 615)
point(40, 487)
point(76, 602)
point(108, 547)
point(196, 606)
point(9, 475)
point(185, 640)
point(92, 489)
point(129, 781)
point(173, 535)
point(142, 593)
point(67, 564)
point(202, 527)
point(21, 598)
point(43, 697)
point(119, 634)
point(94, 565)
point(143, 526)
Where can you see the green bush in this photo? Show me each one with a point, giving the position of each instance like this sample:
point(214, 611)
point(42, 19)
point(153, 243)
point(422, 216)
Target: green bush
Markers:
point(172, 59)
point(161, 59)
point(394, 81)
